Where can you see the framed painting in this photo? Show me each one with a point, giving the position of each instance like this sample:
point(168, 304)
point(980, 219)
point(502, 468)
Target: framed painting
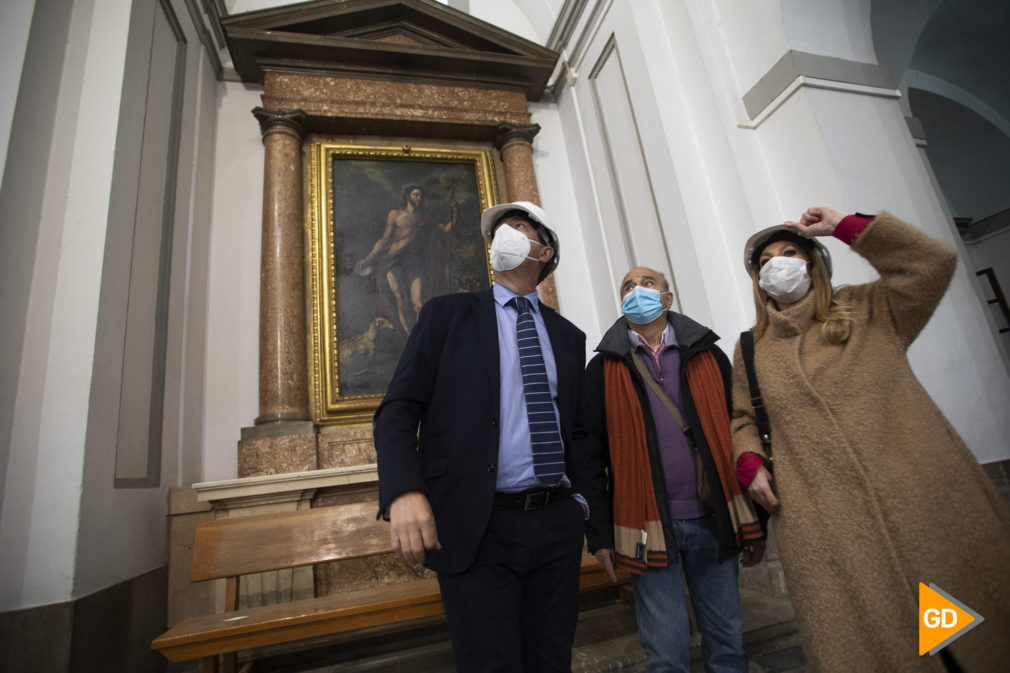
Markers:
point(387, 229)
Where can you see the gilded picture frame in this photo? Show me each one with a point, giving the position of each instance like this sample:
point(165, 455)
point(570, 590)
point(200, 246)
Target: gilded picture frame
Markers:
point(387, 228)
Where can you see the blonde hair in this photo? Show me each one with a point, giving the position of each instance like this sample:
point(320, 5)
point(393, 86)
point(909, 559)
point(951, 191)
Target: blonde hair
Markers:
point(833, 314)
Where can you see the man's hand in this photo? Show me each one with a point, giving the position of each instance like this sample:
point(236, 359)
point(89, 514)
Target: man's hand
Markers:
point(363, 267)
point(412, 527)
point(752, 553)
point(762, 491)
point(817, 221)
point(605, 557)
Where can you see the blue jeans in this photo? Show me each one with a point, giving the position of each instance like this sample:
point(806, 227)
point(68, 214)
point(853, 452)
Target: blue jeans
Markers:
point(663, 626)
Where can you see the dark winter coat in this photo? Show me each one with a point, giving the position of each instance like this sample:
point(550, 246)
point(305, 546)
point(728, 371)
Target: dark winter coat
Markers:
point(692, 338)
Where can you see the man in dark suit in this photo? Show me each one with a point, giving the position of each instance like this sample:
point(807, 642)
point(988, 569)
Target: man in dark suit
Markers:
point(479, 440)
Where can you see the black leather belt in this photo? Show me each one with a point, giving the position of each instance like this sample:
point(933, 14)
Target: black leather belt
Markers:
point(533, 498)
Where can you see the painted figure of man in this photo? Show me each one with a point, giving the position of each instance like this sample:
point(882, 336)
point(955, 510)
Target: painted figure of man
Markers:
point(398, 256)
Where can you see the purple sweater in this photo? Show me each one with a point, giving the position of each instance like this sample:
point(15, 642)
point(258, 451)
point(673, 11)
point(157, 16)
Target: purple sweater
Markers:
point(676, 454)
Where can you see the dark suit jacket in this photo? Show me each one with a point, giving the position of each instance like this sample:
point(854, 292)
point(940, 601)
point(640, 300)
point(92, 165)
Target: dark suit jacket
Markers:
point(436, 431)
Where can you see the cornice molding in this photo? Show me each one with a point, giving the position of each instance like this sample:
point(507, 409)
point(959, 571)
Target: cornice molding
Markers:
point(797, 69)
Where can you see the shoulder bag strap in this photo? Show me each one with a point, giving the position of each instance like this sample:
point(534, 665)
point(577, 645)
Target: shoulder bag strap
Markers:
point(667, 402)
point(760, 415)
point(704, 489)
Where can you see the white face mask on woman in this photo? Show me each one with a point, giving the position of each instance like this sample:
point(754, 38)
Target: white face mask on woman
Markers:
point(785, 279)
point(509, 248)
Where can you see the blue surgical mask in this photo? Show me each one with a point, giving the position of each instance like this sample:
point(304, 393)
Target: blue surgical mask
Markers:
point(642, 305)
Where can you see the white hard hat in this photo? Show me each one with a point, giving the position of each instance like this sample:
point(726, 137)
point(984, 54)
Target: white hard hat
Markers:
point(756, 243)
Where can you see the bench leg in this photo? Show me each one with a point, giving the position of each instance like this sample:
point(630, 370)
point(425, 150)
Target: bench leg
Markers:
point(230, 662)
point(209, 665)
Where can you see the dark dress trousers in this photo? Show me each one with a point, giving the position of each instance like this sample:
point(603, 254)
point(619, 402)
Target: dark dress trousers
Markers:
point(436, 432)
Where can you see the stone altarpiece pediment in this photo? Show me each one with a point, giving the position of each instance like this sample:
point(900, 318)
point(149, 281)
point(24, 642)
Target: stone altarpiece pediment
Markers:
point(412, 40)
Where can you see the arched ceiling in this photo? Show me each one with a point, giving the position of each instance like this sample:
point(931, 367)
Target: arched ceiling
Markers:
point(965, 43)
point(959, 42)
point(952, 59)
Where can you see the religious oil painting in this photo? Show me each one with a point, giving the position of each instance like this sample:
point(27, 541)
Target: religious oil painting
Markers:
point(389, 228)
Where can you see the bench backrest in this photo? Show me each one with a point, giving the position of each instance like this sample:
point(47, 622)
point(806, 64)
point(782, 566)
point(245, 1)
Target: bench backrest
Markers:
point(253, 544)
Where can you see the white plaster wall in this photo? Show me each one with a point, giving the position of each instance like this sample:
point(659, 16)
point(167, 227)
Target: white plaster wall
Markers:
point(751, 33)
point(697, 156)
point(15, 22)
point(123, 530)
point(598, 292)
point(574, 274)
point(829, 28)
point(231, 378)
point(600, 165)
point(692, 161)
point(25, 165)
point(241, 6)
point(517, 17)
point(186, 454)
point(38, 529)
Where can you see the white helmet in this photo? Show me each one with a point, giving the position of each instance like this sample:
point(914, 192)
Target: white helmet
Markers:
point(756, 243)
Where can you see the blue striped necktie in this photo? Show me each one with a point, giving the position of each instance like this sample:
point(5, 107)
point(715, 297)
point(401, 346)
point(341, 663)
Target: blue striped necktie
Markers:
point(548, 454)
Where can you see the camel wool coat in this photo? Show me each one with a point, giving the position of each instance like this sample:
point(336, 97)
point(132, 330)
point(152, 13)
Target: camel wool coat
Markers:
point(877, 491)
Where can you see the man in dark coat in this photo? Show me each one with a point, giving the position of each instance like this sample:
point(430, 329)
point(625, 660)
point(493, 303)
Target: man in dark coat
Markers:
point(665, 502)
point(479, 444)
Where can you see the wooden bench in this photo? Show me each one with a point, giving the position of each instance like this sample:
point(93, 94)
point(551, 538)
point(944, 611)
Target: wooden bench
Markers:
point(230, 548)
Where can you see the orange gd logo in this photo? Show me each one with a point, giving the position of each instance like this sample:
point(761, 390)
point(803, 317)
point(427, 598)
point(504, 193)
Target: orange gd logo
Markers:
point(942, 619)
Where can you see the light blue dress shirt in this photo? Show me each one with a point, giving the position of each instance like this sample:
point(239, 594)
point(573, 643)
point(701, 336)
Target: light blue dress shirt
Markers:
point(515, 453)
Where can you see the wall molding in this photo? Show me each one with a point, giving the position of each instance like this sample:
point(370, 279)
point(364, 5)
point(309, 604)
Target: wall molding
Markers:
point(797, 69)
point(564, 26)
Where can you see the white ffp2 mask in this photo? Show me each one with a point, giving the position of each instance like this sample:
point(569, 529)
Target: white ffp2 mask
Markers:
point(509, 248)
point(785, 279)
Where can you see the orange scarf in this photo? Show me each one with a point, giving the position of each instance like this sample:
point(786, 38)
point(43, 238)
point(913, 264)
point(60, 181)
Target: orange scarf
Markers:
point(639, 541)
point(705, 381)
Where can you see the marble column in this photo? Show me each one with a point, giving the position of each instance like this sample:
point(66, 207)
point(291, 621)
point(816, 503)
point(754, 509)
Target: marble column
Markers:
point(515, 142)
point(283, 439)
point(283, 369)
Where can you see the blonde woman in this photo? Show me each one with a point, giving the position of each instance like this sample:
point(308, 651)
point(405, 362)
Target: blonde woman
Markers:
point(873, 491)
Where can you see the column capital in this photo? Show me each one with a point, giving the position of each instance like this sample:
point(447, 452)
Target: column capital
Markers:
point(289, 121)
point(510, 133)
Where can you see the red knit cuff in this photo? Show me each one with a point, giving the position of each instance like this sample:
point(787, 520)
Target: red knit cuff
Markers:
point(747, 467)
point(851, 227)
